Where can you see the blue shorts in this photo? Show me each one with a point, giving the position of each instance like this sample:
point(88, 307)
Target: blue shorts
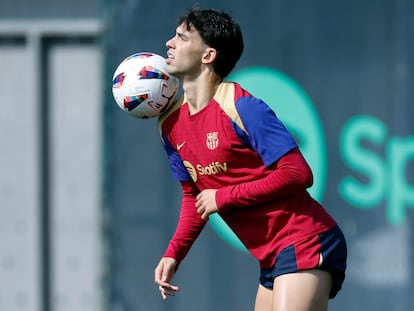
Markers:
point(326, 251)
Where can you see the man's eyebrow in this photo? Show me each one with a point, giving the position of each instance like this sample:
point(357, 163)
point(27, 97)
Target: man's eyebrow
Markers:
point(181, 35)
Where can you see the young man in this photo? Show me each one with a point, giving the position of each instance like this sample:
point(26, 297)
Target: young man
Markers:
point(233, 156)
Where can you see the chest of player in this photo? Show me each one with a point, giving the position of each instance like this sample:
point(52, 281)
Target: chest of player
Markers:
point(209, 146)
point(207, 137)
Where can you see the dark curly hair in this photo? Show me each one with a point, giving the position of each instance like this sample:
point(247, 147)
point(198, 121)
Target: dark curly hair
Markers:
point(219, 31)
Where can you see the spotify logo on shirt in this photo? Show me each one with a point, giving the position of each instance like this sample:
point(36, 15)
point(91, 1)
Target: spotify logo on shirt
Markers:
point(296, 110)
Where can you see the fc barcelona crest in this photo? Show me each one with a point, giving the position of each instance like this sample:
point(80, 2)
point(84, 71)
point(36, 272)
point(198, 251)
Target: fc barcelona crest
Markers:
point(212, 140)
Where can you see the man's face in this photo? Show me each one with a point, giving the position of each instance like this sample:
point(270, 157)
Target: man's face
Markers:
point(185, 52)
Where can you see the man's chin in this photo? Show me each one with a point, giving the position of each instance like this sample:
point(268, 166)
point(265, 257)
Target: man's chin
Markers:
point(170, 69)
point(173, 72)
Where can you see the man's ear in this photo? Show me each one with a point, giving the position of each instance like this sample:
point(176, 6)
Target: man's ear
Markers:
point(209, 56)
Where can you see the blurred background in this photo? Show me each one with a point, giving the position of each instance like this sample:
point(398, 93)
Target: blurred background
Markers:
point(87, 201)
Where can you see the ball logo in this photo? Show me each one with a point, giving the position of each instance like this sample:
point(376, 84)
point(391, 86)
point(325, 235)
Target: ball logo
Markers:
point(296, 110)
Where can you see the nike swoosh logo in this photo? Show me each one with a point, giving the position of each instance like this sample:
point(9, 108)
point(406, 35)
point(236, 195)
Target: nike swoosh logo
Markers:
point(179, 146)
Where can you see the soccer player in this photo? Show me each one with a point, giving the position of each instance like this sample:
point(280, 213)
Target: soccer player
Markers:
point(233, 156)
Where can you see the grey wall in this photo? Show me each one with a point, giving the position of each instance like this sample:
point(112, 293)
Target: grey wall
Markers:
point(22, 9)
point(51, 244)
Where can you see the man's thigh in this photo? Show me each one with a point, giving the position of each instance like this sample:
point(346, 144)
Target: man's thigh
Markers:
point(302, 291)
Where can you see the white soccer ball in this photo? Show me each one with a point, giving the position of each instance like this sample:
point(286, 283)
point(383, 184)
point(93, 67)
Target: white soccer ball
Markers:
point(142, 86)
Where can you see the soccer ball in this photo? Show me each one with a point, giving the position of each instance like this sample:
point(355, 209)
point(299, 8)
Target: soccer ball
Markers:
point(142, 86)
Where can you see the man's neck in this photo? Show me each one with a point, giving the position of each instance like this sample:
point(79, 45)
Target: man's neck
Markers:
point(199, 92)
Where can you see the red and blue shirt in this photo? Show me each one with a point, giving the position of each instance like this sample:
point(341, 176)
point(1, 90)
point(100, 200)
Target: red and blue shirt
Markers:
point(238, 145)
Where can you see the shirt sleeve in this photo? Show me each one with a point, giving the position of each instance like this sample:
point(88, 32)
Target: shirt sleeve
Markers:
point(189, 224)
point(178, 169)
point(290, 174)
point(266, 134)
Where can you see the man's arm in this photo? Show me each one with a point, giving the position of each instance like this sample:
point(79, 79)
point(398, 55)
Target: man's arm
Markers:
point(188, 229)
point(290, 174)
point(189, 224)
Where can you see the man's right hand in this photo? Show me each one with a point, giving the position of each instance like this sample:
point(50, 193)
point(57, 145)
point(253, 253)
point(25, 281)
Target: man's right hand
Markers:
point(163, 273)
